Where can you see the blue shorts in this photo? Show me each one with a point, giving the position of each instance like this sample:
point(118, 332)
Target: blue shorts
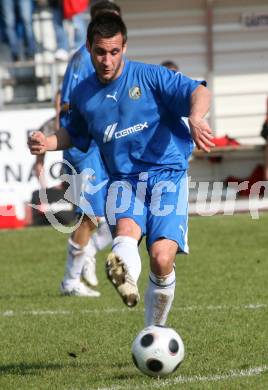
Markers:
point(88, 180)
point(158, 204)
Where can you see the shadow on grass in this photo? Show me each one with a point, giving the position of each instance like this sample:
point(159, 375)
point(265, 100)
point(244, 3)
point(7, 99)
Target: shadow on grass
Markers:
point(126, 376)
point(31, 368)
point(129, 372)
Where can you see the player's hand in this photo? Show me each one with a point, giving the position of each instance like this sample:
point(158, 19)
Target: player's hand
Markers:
point(201, 133)
point(37, 143)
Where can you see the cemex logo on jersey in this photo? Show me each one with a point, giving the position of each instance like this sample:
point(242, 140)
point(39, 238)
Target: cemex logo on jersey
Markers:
point(110, 131)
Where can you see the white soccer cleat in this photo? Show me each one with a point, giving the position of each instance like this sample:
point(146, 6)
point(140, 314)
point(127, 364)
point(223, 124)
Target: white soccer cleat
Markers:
point(89, 271)
point(78, 289)
point(119, 276)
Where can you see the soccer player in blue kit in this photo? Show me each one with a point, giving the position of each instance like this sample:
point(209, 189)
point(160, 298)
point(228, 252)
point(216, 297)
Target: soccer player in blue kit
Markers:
point(81, 261)
point(133, 112)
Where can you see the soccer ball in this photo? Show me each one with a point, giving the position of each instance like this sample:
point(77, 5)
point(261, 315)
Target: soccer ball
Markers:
point(157, 351)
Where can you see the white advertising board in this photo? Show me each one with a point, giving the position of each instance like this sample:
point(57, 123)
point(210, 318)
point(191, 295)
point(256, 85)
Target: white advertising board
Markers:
point(16, 162)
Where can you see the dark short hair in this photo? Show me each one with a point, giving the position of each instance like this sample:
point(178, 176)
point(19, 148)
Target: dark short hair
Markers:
point(104, 6)
point(170, 64)
point(107, 25)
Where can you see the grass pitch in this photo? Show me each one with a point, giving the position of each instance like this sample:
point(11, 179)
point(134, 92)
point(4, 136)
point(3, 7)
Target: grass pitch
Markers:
point(220, 310)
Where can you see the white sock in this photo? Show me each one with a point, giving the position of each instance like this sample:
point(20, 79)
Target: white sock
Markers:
point(91, 248)
point(158, 298)
point(75, 260)
point(100, 239)
point(127, 248)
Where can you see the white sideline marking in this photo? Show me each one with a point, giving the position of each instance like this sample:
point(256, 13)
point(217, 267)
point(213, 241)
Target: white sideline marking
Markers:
point(232, 374)
point(11, 313)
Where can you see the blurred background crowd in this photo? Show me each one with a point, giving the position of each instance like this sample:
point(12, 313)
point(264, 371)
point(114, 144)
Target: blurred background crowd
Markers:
point(16, 26)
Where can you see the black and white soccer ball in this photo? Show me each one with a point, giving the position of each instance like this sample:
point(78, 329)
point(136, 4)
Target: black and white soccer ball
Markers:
point(158, 351)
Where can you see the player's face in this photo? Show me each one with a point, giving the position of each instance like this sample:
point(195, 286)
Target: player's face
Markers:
point(107, 57)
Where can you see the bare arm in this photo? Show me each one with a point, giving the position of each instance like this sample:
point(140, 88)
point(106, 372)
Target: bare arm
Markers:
point(38, 168)
point(38, 143)
point(201, 132)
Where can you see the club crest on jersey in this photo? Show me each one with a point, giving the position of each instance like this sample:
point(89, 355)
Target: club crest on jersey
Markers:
point(134, 93)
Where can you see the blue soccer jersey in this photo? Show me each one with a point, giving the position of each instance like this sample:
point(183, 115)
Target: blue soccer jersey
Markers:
point(136, 119)
point(80, 68)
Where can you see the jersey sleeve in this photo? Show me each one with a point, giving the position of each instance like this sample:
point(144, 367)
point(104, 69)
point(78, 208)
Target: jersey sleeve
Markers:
point(77, 128)
point(77, 70)
point(175, 90)
point(68, 85)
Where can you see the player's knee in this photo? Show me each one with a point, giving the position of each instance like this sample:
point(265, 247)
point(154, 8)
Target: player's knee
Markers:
point(127, 227)
point(161, 263)
point(88, 223)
